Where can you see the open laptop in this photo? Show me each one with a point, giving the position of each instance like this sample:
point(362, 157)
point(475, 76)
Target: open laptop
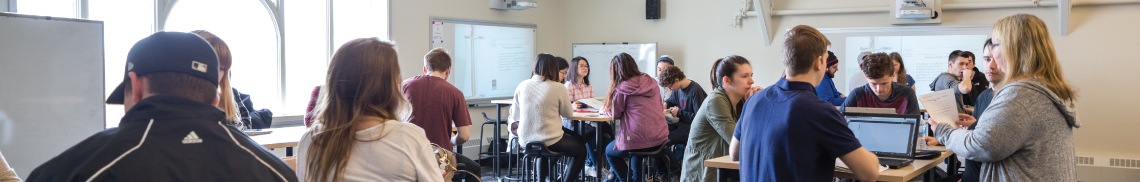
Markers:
point(889, 136)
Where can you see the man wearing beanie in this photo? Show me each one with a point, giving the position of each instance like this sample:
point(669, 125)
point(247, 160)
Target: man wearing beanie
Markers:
point(826, 89)
point(172, 130)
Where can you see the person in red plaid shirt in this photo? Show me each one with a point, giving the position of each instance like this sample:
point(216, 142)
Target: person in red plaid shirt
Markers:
point(578, 85)
point(577, 81)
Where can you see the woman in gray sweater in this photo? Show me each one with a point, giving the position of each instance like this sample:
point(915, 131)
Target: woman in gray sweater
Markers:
point(1026, 134)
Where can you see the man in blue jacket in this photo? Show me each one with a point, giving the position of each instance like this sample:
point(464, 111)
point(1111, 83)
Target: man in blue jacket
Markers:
point(826, 89)
point(172, 130)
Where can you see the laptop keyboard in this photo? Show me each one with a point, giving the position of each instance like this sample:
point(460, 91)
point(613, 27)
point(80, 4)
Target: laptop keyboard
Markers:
point(891, 162)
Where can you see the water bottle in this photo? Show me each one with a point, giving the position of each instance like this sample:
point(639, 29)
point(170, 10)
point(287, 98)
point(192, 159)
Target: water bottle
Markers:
point(921, 139)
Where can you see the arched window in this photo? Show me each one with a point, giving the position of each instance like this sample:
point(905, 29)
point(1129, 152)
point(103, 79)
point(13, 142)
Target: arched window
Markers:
point(248, 29)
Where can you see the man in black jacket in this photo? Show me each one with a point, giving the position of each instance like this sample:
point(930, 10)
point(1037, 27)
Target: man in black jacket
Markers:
point(171, 131)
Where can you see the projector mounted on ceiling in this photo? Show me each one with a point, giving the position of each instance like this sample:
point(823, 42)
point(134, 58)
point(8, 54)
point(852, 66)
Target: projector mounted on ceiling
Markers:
point(915, 9)
point(513, 4)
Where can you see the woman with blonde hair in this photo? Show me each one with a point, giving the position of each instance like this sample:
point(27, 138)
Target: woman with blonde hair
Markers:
point(239, 110)
point(1026, 134)
point(360, 131)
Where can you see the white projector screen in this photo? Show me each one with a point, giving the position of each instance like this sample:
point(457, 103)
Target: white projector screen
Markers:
point(489, 59)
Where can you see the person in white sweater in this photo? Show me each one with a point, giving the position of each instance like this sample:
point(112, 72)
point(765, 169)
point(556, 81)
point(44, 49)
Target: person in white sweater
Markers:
point(539, 103)
point(6, 173)
point(360, 132)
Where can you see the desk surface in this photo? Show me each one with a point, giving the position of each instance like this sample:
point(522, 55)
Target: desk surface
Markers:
point(901, 174)
point(281, 137)
point(595, 117)
point(507, 101)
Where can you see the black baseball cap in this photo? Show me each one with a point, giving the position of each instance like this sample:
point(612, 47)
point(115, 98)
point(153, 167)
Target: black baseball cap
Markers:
point(169, 52)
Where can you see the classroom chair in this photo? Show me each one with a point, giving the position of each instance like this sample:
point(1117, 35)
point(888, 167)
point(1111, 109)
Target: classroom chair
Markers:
point(651, 159)
point(482, 132)
point(537, 156)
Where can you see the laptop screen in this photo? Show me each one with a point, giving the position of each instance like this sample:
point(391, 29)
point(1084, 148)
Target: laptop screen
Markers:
point(884, 134)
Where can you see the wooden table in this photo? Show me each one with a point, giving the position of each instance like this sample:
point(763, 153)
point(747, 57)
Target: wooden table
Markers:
point(902, 174)
point(284, 137)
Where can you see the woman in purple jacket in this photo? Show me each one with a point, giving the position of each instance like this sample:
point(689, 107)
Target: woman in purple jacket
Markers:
point(634, 99)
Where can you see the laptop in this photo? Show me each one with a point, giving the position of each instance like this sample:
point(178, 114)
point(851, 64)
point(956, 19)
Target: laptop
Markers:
point(890, 136)
point(871, 110)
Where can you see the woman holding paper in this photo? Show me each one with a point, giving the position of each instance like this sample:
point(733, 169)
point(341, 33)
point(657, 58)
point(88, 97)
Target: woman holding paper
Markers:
point(1026, 133)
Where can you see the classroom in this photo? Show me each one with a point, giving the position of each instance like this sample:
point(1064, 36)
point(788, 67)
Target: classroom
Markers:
point(568, 90)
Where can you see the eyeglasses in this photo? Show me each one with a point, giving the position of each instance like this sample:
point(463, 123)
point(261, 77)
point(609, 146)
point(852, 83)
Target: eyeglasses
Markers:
point(995, 44)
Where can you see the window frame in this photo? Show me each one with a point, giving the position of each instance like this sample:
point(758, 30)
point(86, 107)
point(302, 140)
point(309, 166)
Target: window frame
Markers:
point(275, 9)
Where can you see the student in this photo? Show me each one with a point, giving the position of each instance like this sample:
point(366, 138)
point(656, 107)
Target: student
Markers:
point(240, 108)
point(687, 97)
point(881, 90)
point(663, 62)
point(312, 104)
point(1026, 133)
point(979, 82)
point(539, 103)
point(360, 133)
point(633, 99)
point(172, 130)
point(993, 75)
point(439, 106)
point(858, 79)
point(952, 78)
point(786, 133)
point(826, 89)
point(578, 85)
point(715, 121)
point(901, 68)
point(6, 173)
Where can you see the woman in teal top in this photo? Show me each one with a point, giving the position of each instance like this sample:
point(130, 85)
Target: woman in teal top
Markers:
point(715, 121)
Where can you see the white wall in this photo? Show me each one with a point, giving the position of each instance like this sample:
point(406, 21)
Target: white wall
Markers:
point(1094, 56)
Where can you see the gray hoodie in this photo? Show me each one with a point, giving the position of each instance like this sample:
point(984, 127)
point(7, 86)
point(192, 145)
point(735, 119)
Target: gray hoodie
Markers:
point(1026, 134)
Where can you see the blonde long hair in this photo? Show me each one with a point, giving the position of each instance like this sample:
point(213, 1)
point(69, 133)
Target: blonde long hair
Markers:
point(225, 60)
point(363, 80)
point(1029, 53)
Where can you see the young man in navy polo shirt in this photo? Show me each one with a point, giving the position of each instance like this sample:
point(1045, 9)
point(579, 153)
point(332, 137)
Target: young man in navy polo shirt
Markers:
point(787, 133)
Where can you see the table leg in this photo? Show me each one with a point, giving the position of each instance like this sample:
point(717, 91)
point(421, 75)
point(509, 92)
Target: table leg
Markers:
point(952, 166)
point(498, 132)
point(721, 175)
point(288, 151)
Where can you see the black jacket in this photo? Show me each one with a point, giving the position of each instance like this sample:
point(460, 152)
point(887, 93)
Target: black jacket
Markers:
point(167, 138)
point(252, 119)
point(687, 100)
point(980, 84)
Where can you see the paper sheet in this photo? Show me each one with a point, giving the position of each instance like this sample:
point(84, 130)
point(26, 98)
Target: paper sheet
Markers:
point(942, 106)
point(594, 103)
point(842, 167)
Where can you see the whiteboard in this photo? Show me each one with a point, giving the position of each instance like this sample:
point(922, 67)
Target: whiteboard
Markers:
point(599, 56)
point(489, 59)
point(925, 50)
point(51, 70)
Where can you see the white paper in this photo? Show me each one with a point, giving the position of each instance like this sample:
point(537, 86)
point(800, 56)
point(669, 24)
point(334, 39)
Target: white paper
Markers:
point(842, 167)
point(436, 32)
point(942, 106)
point(594, 103)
